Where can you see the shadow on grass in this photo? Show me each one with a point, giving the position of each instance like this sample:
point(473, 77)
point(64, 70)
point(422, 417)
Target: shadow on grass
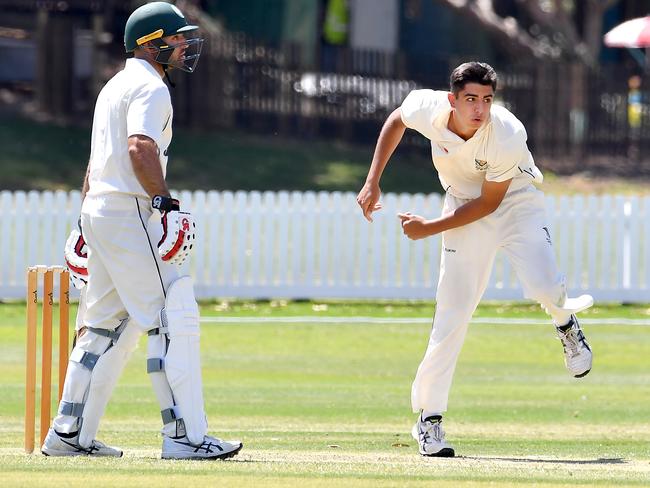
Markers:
point(211, 160)
point(550, 461)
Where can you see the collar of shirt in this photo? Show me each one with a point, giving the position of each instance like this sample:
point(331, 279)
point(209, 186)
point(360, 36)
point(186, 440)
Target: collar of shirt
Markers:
point(136, 63)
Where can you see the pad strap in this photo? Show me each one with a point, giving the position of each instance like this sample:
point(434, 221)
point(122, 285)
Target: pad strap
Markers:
point(113, 335)
point(155, 365)
point(169, 415)
point(86, 359)
point(71, 409)
point(158, 331)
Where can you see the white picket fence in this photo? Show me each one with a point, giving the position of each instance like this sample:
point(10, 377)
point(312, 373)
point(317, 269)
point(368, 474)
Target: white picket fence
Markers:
point(317, 245)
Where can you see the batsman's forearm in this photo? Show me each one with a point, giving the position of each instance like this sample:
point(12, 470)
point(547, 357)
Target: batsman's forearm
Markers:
point(149, 174)
point(143, 152)
point(389, 138)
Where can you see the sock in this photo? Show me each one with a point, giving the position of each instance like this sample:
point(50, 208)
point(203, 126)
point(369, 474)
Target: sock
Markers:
point(566, 326)
point(432, 416)
point(561, 318)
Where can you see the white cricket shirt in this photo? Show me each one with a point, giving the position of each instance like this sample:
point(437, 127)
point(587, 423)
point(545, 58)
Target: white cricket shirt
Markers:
point(496, 152)
point(135, 101)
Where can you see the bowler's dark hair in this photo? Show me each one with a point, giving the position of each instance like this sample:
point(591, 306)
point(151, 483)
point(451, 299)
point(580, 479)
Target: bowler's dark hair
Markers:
point(472, 72)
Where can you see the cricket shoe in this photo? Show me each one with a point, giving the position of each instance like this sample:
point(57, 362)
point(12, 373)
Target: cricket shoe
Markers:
point(211, 448)
point(577, 353)
point(60, 445)
point(431, 437)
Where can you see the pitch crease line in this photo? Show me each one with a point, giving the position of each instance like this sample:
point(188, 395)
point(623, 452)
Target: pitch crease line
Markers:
point(409, 321)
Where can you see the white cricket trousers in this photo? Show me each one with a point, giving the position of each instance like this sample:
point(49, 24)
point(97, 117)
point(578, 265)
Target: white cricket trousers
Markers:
point(127, 278)
point(519, 228)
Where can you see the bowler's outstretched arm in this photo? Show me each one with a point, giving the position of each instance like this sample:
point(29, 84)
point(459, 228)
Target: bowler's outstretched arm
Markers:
point(390, 136)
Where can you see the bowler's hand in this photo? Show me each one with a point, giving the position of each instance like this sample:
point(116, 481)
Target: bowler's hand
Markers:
point(416, 227)
point(368, 200)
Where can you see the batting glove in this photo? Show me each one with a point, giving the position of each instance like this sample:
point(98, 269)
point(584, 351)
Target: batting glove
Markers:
point(178, 230)
point(76, 258)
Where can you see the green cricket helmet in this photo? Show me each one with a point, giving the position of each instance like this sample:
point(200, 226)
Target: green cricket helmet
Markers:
point(152, 22)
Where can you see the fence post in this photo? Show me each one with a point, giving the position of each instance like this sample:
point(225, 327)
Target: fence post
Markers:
point(306, 245)
point(578, 110)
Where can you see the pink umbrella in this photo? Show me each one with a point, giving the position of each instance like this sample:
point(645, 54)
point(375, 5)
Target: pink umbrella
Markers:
point(632, 33)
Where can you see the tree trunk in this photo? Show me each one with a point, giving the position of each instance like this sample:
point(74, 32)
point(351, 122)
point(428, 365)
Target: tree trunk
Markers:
point(55, 64)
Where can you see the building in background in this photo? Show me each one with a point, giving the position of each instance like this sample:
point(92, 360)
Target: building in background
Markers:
point(334, 68)
point(421, 33)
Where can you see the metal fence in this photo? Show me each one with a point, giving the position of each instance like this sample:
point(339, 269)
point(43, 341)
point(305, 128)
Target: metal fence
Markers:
point(577, 119)
point(317, 245)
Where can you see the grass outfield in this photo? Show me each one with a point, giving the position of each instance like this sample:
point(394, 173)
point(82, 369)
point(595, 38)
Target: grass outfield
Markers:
point(328, 405)
point(213, 160)
point(227, 160)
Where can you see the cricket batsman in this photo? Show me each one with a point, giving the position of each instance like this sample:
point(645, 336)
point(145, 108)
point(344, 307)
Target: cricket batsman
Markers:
point(133, 237)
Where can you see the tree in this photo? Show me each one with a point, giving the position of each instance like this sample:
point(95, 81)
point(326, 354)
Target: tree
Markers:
point(559, 29)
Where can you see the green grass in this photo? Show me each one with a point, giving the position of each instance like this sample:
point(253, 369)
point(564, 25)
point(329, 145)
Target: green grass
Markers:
point(39, 156)
point(44, 156)
point(328, 405)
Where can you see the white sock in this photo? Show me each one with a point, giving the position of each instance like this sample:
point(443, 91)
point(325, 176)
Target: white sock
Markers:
point(561, 320)
point(426, 414)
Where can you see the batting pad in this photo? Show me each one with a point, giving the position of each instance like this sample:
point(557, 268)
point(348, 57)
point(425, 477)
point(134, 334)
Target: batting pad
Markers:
point(103, 378)
point(156, 352)
point(182, 362)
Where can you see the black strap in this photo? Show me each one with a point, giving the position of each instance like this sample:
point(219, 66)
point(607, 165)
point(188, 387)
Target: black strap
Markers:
point(169, 80)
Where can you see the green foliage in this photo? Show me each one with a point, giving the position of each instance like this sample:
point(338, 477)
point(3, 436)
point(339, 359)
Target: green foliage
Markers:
point(42, 157)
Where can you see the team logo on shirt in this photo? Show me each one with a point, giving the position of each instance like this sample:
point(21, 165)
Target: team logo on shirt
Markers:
point(480, 165)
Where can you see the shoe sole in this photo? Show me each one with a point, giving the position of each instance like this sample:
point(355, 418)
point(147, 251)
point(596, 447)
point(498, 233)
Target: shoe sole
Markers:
point(444, 452)
point(581, 375)
point(71, 454)
point(190, 457)
point(62, 454)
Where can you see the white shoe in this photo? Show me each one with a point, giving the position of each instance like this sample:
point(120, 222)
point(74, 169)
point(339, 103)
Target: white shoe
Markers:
point(577, 353)
point(431, 437)
point(211, 448)
point(55, 445)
